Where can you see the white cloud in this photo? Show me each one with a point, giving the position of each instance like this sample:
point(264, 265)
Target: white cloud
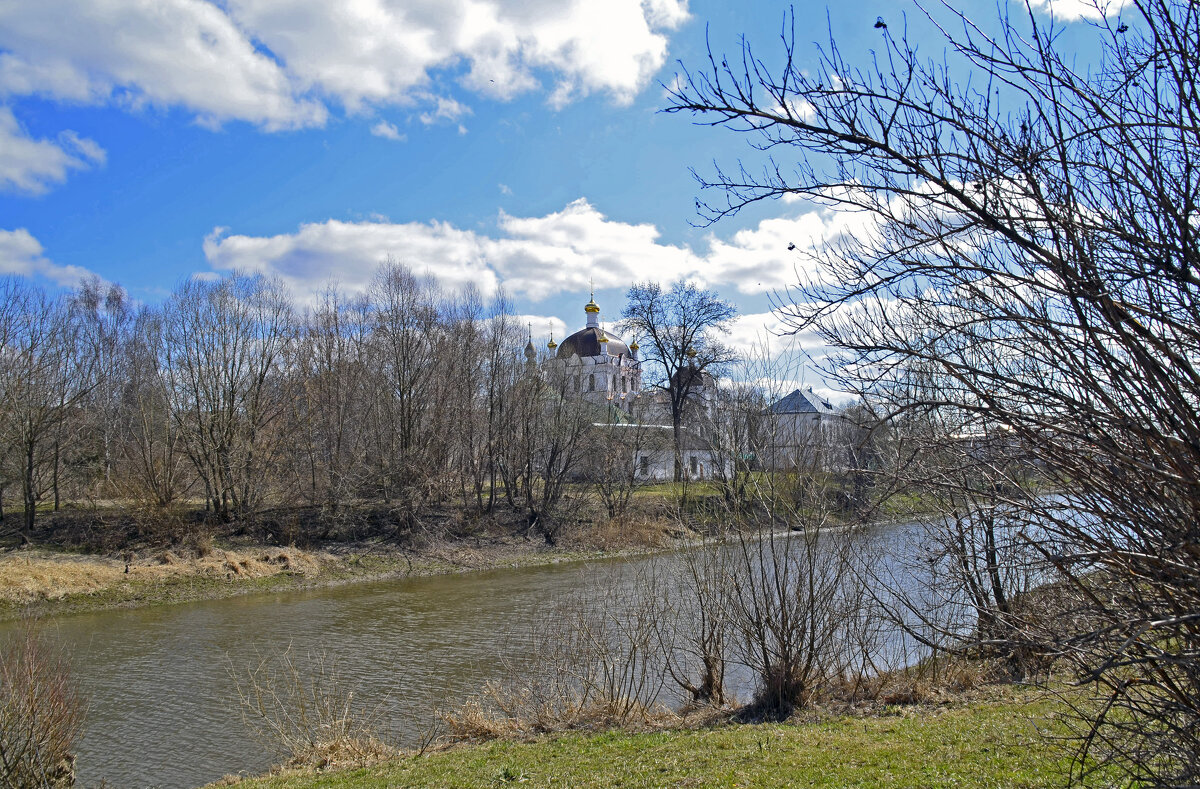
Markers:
point(1071, 10)
point(32, 166)
point(188, 53)
point(534, 257)
point(541, 256)
point(764, 335)
point(23, 255)
point(388, 131)
point(444, 109)
point(278, 64)
point(351, 252)
point(543, 327)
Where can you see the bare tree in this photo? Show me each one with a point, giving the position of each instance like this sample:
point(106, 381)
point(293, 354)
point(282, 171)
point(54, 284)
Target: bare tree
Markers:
point(679, 325)
point(1030, 241)
point(46, 374)
point(405, 325)
point(105, 324)
point(611, 466)
point(150, 445)
point(546, 447)
point(331, 363)
point(224, 344)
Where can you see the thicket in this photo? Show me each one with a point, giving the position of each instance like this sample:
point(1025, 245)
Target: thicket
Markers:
point(404, 411)
point(1024, 273)
point(229, 404)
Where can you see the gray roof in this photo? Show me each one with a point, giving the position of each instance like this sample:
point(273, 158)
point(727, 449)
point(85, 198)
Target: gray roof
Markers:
point(798, 402)
point(586, 342)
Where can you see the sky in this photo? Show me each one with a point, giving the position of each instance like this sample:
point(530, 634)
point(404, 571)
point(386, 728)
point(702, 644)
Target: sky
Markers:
point(507, 143)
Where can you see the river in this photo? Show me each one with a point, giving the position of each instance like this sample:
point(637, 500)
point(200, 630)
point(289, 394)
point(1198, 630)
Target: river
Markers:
point(162, 710)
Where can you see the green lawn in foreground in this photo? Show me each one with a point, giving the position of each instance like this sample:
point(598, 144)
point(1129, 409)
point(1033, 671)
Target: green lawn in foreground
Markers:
point(986, 744)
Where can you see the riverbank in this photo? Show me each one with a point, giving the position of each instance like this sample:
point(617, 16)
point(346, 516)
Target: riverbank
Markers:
point(47, 579)
point(995, 740)
point(37, 582)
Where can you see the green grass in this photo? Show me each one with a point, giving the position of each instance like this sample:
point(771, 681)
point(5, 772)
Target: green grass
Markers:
point(985, 744)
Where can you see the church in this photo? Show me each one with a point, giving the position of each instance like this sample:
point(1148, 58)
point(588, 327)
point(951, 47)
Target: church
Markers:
point(600, 368)
point(597, 367)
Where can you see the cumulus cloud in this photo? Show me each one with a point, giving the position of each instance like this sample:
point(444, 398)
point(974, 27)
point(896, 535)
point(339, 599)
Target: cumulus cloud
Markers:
point(188, 53)
point(349, 253)
point(388, 131)
point(31, 166)
point(534, 257)
point(444, 110)
point(279, 64)
point(22, 254)
point(541, 256)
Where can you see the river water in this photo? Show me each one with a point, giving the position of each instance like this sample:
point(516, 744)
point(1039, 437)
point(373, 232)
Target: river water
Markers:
point(162, 707)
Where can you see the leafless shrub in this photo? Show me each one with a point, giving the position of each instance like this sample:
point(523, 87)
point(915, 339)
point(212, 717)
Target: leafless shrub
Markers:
point(795, 610)
point(592, 661)
point(304, 711)
point(41, 712)
point(694, 628)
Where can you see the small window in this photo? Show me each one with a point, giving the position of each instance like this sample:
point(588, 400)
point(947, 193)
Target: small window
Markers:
point(644, 460)
point(695, 464)
point(576, 383)
point(592, 382)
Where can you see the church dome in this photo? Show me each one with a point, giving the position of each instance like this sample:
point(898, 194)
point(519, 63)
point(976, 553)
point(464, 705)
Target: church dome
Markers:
point(586, 342)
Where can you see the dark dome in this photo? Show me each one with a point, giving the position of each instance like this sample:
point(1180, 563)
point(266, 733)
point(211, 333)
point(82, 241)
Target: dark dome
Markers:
point(586, 342)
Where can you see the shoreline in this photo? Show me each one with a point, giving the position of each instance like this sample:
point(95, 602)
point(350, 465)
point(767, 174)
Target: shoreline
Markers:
point(40, 582)
point(99, 583)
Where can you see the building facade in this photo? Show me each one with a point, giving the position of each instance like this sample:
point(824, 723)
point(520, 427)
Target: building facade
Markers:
point(596, 366)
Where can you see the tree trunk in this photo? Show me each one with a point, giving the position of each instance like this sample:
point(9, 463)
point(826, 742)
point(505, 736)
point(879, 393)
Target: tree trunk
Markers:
point(676, 431)
point(28, 490)
point(57, 455)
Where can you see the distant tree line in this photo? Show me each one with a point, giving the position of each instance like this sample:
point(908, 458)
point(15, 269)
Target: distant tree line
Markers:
point(231, 397)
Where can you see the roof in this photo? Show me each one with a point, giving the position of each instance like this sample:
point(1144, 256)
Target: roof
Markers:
point(586, 342)
point(802, 402)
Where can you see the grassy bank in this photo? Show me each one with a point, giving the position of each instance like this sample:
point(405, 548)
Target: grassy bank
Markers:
point(994, 742)
point(39, 582)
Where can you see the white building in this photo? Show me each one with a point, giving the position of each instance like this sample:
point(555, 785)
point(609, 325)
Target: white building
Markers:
point(596, 366)
point(600, 368)
point(801, 429)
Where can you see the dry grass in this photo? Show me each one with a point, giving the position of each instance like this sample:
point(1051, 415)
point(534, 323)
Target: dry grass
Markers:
point(630, 531)
point(26, 576)
point(507, 713)
point(931, 682)
point(31, 575)
point(302, 708)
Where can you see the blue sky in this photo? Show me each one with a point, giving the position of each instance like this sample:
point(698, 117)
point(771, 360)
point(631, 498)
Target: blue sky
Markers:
point(501, 142)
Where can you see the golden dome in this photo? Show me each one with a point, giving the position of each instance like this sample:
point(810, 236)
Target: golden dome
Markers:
point(634, 346)
point(591, 306)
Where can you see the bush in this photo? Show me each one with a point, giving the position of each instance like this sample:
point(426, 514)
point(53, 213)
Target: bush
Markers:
point(41, 712)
